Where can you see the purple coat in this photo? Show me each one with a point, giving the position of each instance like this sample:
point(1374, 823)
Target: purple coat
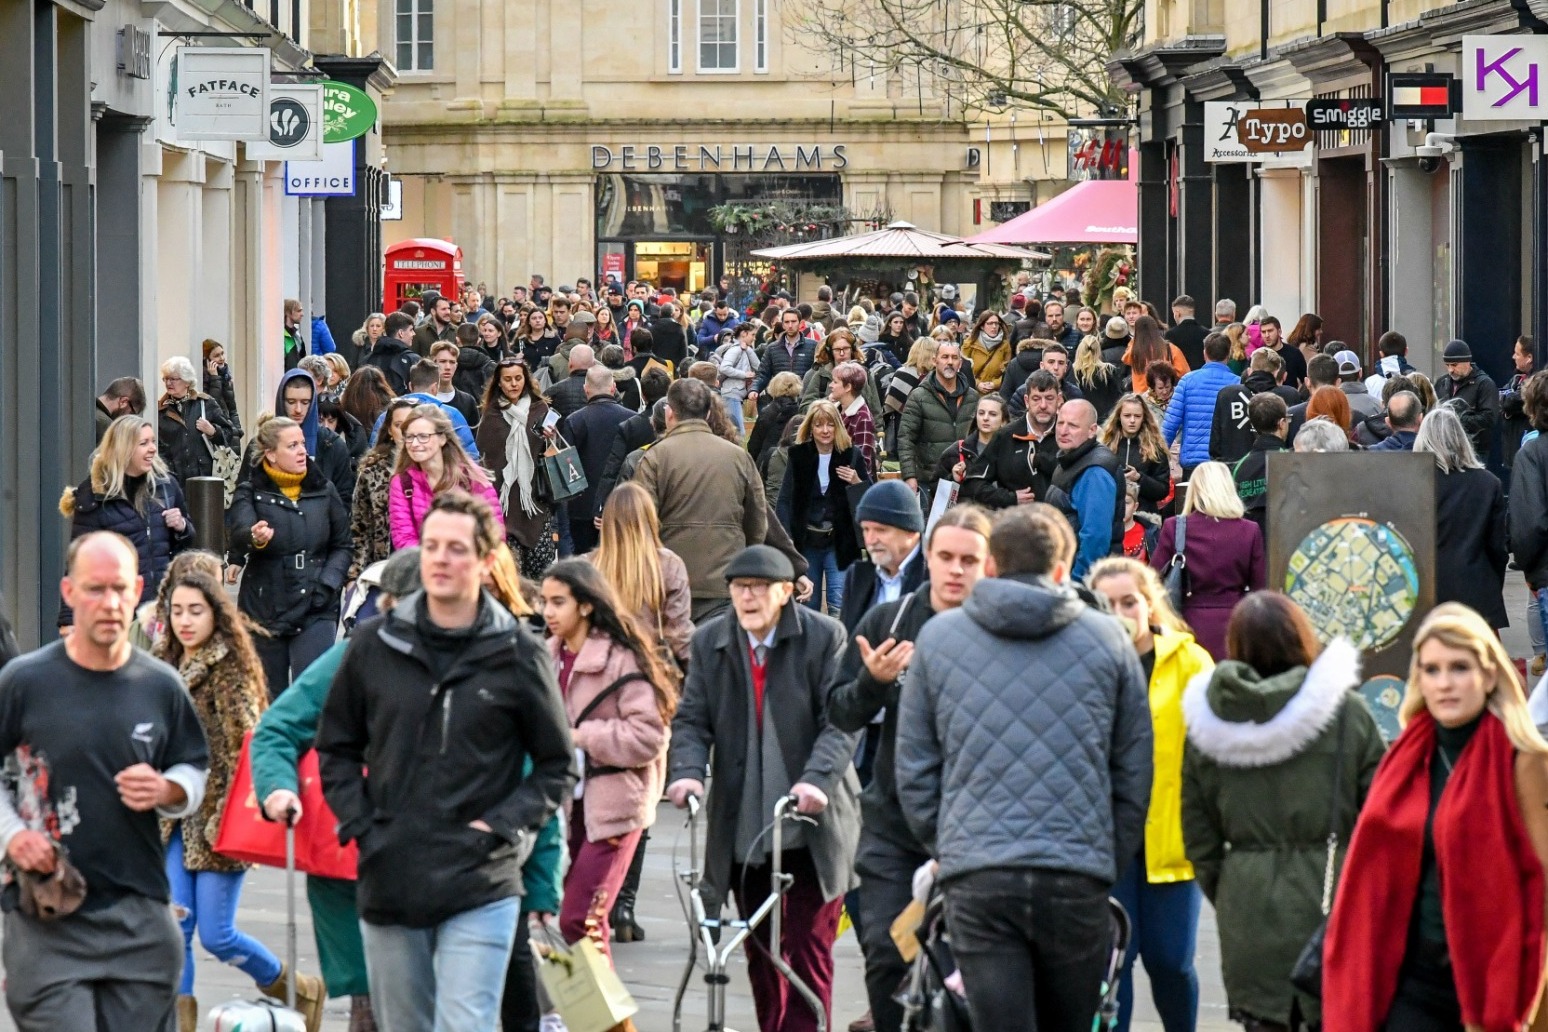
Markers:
point(1225, 562)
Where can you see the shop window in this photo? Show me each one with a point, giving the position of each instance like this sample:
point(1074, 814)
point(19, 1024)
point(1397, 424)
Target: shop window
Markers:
point(416, 35)
point(674, 36)
point(717, 35)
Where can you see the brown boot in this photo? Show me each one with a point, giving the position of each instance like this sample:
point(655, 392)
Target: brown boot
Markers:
point(310, 995)
point(361, 1017)
point(187, 1014)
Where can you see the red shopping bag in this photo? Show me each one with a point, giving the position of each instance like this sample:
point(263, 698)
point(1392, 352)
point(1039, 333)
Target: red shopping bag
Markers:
point(247, 836)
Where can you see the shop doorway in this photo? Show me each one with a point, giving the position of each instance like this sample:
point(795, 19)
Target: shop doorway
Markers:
point(684, 265)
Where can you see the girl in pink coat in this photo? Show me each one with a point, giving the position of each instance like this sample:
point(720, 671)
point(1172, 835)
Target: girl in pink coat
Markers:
point(620, 697)
point(430, 461)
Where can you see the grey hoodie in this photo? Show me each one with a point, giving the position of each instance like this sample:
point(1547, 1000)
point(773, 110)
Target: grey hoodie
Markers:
point(1024, 735)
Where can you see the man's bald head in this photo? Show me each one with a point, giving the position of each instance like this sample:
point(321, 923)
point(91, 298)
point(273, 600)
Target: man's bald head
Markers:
point(1405, 411)
point(1077, 424)
point(98, 546)
point(582, 358)
point(599, 380)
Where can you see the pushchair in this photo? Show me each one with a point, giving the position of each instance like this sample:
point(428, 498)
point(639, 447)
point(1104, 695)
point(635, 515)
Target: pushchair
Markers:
point(930, 1005)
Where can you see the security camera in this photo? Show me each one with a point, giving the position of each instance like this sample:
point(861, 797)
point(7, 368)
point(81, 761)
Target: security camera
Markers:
point(1432, 152)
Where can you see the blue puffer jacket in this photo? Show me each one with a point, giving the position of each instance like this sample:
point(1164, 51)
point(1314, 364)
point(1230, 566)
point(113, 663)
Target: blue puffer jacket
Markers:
point(153, 540)
point(1192, 409)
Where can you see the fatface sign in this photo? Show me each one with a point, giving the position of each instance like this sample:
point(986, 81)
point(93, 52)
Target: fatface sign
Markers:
point(1504, 78)
point(719, 157)
point(295, 125)
point(221, 93)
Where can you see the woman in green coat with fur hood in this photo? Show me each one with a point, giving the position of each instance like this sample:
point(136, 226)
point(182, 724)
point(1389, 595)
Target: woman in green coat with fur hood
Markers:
point(1264, 733)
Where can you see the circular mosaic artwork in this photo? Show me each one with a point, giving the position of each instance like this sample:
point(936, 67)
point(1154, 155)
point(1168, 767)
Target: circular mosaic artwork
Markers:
point(1356, 579)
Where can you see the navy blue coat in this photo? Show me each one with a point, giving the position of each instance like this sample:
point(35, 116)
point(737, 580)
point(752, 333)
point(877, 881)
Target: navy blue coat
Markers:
point(154, 541)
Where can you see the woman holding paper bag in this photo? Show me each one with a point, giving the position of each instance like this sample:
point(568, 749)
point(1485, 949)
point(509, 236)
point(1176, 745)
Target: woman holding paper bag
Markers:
point(512, 436)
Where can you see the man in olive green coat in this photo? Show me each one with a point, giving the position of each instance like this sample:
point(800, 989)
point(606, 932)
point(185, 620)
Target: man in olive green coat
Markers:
point(939, 412)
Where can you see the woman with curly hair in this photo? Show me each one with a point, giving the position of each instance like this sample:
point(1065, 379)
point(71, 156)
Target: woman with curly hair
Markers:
point(209, 645)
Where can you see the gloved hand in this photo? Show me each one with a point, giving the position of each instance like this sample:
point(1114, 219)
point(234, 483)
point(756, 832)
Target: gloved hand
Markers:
point(924, 881)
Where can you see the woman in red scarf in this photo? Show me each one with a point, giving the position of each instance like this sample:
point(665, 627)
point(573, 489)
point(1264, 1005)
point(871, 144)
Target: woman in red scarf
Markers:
point(1439, 918)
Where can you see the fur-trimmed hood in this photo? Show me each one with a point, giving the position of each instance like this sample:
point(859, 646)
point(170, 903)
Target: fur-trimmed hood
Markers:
point(1239, 719)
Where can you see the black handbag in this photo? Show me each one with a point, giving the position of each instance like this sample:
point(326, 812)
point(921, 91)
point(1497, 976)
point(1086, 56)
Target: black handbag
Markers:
point(1307, 973)
point(1177, 570)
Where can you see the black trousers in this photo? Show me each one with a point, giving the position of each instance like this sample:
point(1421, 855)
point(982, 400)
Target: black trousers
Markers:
point(519, 1007)
point(1426, 998)
point(886, 887)
point(1032, 947)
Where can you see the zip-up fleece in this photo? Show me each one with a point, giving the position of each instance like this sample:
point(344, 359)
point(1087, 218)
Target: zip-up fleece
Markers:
point(408, 762)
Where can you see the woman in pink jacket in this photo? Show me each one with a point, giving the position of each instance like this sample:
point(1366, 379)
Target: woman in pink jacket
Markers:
point(430, 461)
point(620, 697)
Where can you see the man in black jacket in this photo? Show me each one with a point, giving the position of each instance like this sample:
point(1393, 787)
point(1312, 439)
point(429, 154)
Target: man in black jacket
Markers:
point(789, 352)
point(890, 522)
point(633, 433)
point(1470, 390)
point(434, 713)
point(1018, 463)
point(1321, 371)
point(1271, 423)
point(869, 682)
point(1231, 433)
point(569, 395)
point(592, 431)
point(392, 354)
point(1186, 332)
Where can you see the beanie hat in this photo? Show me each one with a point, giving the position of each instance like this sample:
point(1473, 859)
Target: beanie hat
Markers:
point(1018, 301)
point(949, 315)
point(1117, 328)
point(893, 504)
point(870, 330)
point(1457, 351)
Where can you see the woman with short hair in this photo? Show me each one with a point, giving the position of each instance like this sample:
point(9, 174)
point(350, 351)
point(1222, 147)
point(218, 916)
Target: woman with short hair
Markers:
point(1471, 550)
point(1321, 435)
point(1222, 555)
point(190, 423)
point(364, 339)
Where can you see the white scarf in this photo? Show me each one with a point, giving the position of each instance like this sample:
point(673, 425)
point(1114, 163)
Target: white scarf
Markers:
point(519, 467)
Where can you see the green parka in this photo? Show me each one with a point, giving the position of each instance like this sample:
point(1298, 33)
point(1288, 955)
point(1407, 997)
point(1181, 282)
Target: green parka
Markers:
point(930, 425)
point(1257, 785)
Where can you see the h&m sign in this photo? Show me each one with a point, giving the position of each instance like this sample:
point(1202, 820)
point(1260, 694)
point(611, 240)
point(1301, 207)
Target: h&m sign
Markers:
point(719, 158)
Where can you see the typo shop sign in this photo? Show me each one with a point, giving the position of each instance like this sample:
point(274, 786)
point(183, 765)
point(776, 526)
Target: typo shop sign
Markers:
point(333, 176)
point(1505, 78)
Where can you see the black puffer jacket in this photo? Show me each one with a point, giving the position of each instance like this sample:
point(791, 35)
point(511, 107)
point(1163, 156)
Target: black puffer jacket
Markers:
point(224, 391)
point(180, 443)
point(154, 542)
point(1155, 475)
point(671, 343)
point(294, 580)
point(474, 368)
point(766, 432)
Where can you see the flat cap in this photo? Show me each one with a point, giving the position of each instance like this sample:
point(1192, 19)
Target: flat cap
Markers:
point(760, 562)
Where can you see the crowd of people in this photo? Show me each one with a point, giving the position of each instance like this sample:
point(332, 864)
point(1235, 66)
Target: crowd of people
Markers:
point(520, 569)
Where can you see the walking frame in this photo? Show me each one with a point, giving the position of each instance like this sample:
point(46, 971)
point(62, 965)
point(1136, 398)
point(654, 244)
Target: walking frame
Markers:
point(704, 929)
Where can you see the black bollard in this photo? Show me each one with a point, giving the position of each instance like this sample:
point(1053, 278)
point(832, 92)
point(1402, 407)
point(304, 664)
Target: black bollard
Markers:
point(207, 509)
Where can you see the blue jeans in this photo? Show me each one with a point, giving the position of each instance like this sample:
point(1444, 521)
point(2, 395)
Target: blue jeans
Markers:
point(823, 565)
point(734, 410)
point(443, 979)
point(1542, 616)
point(207, 900)
point(1164, 919)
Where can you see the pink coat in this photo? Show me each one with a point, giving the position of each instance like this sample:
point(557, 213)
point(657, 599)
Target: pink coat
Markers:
point(406, 510)
point(626, 730)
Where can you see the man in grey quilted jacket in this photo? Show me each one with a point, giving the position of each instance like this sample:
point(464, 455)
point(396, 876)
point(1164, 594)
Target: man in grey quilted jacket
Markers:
point(1023, 766)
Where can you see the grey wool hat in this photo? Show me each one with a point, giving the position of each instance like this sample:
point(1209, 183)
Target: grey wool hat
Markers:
point(760, 562)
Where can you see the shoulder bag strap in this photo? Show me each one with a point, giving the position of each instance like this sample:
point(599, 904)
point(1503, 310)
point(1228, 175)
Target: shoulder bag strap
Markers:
point(592, 770)
point(1333, 809)
point(1181, 543)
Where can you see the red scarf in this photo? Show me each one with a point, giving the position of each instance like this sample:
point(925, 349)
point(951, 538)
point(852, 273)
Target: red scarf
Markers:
point(1491, 886)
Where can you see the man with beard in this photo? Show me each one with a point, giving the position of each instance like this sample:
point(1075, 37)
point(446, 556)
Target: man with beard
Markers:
point(1017, 466)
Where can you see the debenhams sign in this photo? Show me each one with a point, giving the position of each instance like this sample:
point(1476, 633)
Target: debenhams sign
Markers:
point(719, 157)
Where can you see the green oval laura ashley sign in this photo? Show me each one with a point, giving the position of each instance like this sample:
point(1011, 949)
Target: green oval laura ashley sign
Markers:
point(347, 112)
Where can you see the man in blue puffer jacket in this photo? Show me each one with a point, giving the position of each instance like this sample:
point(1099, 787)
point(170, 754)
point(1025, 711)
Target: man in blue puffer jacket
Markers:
point(1192, 411)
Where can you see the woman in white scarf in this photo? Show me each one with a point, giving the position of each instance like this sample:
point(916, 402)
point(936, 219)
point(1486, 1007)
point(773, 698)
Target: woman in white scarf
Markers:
point(512, 437)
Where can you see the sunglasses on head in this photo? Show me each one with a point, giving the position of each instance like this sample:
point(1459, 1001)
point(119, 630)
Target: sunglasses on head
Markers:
point(511, 363)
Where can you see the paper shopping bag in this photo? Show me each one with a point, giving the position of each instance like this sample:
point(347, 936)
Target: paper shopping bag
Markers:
point(905, 930)
point(584, 988)
point(562, 467)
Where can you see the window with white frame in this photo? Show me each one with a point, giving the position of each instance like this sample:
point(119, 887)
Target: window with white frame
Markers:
point(416, 35)
point(717, 35)
point(674, 36)
point(760, 35)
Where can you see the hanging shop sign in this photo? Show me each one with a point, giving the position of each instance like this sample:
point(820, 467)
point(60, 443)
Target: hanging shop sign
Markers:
point(221, 93)
point(1422, 95)
point(1273, 130)
point(1221, 145)
point(717, 157)
point(1504, 78)
point(333, 176)
point(348, 112)
point(1325, 114)
point(295, 125)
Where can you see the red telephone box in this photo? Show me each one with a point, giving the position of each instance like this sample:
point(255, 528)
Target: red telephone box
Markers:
point(419, 266)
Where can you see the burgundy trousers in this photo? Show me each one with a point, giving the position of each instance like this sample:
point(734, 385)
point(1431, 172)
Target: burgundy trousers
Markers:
point(806, 942)
point(597, 871)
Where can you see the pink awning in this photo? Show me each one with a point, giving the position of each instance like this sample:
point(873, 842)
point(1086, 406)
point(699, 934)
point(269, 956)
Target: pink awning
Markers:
point(1097, 211)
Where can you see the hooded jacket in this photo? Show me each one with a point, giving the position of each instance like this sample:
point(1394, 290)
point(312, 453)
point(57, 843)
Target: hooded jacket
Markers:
point(394, 358)
point(410, 760)
point(1024, 736)
point(1178, 660)
point(154, 542)
point(183, 448)
point(326, 448)
point(1257, 783)
point(1231, 433)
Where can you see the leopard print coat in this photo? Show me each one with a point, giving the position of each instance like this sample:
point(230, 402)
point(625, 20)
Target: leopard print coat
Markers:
point(368, 526)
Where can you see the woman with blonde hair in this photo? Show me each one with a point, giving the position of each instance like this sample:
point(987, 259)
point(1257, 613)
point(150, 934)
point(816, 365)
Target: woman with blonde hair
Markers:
point(1133, 433)
point(364, 339)
point(1157, 888)
point(1237, 334)
point(1439, 919)
point(1100, 383)
point(814, 501)
point(918, 365)
point(130, 492)
point(1221, 554)
point(431, 461)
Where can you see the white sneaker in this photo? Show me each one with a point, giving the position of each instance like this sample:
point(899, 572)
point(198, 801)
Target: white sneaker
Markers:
point(552, 1023)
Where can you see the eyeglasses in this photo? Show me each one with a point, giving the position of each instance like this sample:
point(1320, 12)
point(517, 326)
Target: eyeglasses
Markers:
point(420, 438)
point(173, 379)
point(753, 589)
point(511, 363)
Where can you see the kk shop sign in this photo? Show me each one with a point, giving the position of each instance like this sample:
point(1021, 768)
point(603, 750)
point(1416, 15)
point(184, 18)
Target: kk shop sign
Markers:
point(1504, 78)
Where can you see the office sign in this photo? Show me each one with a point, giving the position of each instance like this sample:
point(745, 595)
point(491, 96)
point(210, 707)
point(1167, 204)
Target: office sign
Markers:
point(1422, 95)
point(1503, 78)
point(348, 113)
point(295, 125)
point(1324, 114)
point(221, 93)
point(333, 176)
